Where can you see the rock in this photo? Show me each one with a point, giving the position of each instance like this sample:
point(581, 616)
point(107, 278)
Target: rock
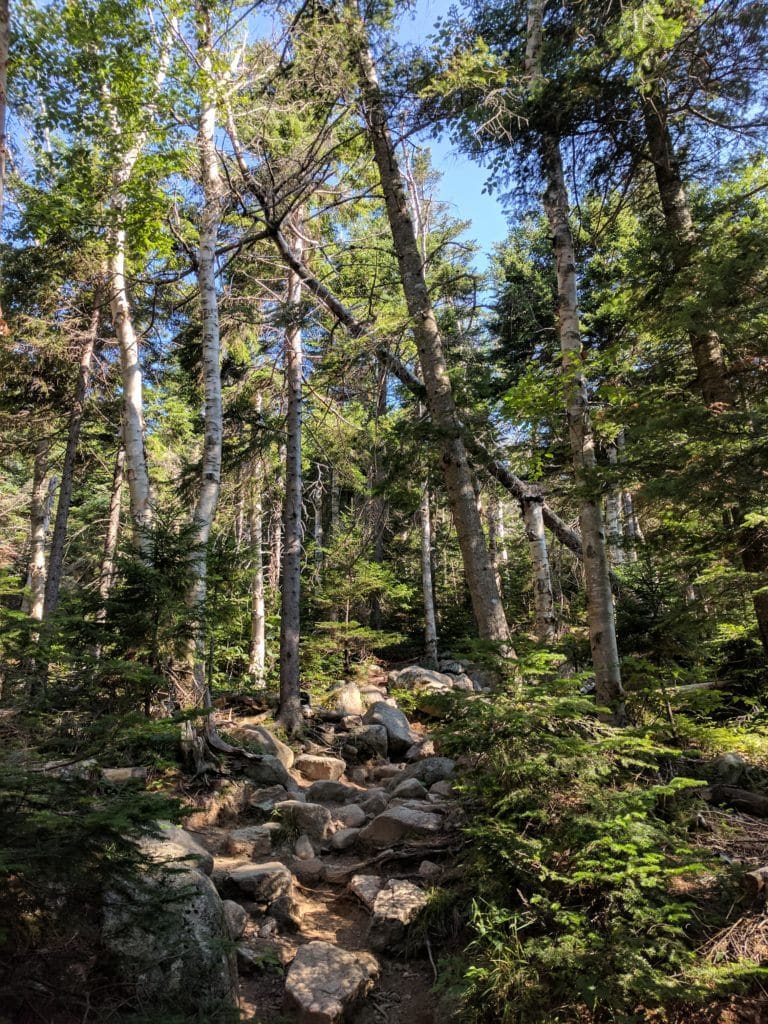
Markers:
point(427, 771)
point(395, 908)
point(350, 816)
point(336, 874)
point(308, 871)
point(398, 822)
point(326, 792)
point(235, 917)
point(265, 799)
point(118, 776)
point(464, 683)
point(372, 739)
point(371, 694)
point(349, 753)
point(482, 678)
point(730, 768)
point(386, 771)
point(314, 766)
point(287, 912)
point(409, 789)
point(261, 882)
point(429, 699)
point(415, 676)
point(348, 699)
point(366, 888)
point(303, 848)
point(169, 941)
point(324, 982)
point(345, 838)
point(314, 819)
point(420, 750)
point(253, 841)
point(357, 775)
point(429, 870)
point(443, 788)
point(375, 802)
point(267, 770)
point(260, 736)
point(227, 801)
point(434, 805)
point(176, 844)
point(400, 736)
point(351, 722)
point(451, 667)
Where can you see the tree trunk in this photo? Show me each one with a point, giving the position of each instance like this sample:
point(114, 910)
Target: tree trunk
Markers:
point(289, 713)
point(43, 494)
point(430, 619)
point(705, 343)
point(317, 524)
point(107, 574)
point(5, 26)
point(258, 648)
point(59, 537)
point(486, 601)
point(613, 516)
point(276, 540)
point(543, 599)
point(378, 503)
point(193, 688)
point(600, 611)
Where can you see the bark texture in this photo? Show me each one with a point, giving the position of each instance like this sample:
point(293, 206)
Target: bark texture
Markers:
point(600, 611)
point(427, 588)
point(289, 713)
point(258, 646)
point(41, 506)
point(59, 536)
point(543, 599)
point(107, 574)
point(481, 580)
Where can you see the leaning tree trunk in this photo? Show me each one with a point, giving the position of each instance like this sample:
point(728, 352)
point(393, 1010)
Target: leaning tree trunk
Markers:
point(193, 689)
point(289, 713)
point(543, 599)
point(705, 344)
point(59, 536)
point(486, 601)
point(427, 587)
point(600, 610)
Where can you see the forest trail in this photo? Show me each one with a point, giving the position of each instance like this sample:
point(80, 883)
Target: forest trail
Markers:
point(343, 854)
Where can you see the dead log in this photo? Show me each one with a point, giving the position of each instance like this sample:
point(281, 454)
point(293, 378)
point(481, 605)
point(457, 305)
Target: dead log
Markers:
point(756, 881)
point(739, 799)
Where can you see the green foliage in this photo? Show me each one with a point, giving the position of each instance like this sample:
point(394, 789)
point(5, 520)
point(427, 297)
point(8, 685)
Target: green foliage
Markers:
point(588, 894)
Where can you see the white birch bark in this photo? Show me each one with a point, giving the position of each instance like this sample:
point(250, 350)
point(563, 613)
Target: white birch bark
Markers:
point(258, 646)
point(194, 689)
point(427, 589)
point(543, 599)
point(41, 507)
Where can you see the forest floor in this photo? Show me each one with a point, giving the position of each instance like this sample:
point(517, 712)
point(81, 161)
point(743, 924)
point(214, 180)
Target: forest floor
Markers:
point(324, 907)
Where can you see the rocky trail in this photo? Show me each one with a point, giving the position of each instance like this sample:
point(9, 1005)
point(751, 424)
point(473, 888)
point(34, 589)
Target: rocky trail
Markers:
point(322, 860)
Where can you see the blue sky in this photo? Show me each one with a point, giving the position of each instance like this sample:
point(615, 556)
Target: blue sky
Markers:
point(463, 179)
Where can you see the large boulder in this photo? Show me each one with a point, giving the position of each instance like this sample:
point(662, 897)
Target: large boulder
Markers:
point(348, 699)
point(396, 907)
point(320, 766)
point(398, 823)
point(324, 982)
point(400, 736)
point(409, 789)
point(170, 941)
point(350, 816)
point(326, 792)
point(260, 736)
point(263, 883)
point(236, 918)
point(314, 819)
point(427, 771)
point(267, 770)
point(253, 841)
point(415, 677)
point(175, 844)
point(371, 740)
point(344, 839)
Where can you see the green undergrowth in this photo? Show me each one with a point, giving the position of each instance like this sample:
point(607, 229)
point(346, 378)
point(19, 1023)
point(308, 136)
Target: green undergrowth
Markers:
point(586, 894)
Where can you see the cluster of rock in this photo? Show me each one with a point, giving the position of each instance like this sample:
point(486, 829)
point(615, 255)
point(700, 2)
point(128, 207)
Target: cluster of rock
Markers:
point(370, 784)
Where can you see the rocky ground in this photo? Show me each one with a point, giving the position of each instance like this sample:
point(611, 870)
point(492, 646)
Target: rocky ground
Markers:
point(323, 860)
